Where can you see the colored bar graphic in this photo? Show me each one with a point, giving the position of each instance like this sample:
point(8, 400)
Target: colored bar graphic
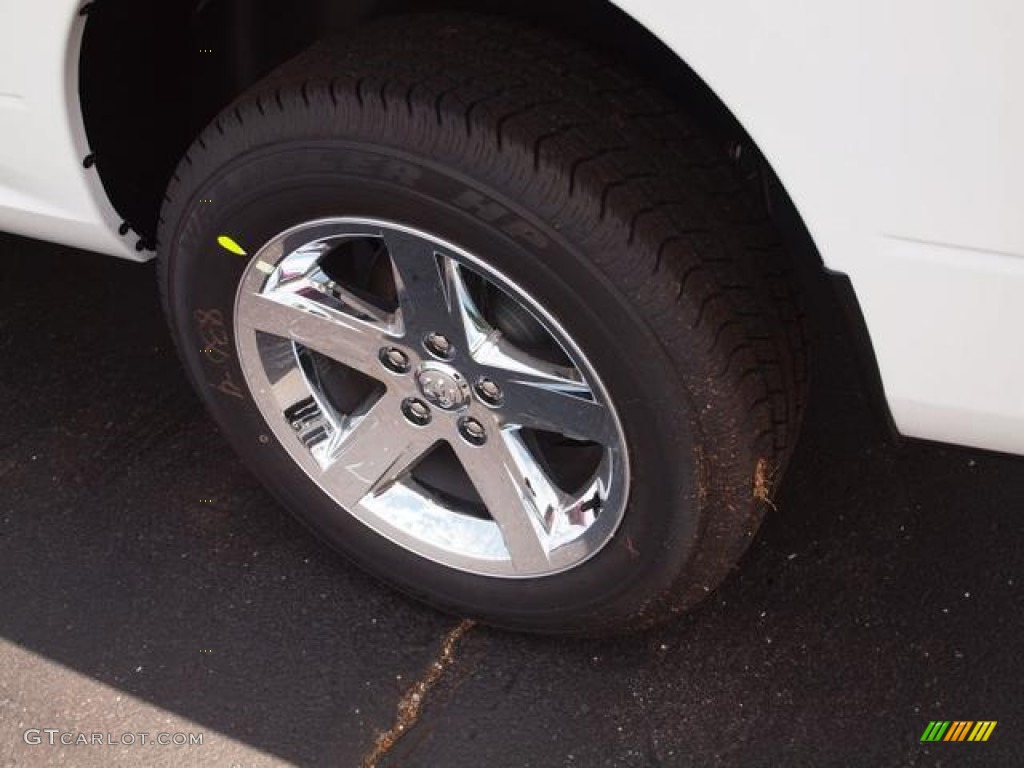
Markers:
point(935, 730)
point(958, 730)
point(982, 730)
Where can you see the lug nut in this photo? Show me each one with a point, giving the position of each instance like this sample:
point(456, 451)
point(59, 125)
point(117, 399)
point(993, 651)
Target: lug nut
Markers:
point(439, 345)
point(473, 431)
point(489, 392)
point(416, 411)
point(394, 359)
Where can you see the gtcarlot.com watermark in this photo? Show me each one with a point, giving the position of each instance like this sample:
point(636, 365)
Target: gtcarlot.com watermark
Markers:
point(55, 736)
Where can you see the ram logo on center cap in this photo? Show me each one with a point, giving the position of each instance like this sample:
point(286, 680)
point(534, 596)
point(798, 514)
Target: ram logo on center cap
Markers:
point(442, 387)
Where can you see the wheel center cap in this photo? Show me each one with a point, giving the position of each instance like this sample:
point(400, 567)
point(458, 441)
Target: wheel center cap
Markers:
point(442, 386)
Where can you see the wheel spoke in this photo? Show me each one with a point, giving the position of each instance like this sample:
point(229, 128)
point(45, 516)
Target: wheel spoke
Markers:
point(540, 394)
point(498, 352)
point(432, 292)
point(375, 451)
point(564, 408)
point(336, 335)
point(517, 493)
point(301, 275)
point(320, 288)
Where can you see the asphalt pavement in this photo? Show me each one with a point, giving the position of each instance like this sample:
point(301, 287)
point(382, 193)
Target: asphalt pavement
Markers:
point(149, 585)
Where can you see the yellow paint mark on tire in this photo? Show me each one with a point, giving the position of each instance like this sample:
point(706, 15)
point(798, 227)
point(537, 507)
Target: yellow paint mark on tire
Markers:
point(230, 245)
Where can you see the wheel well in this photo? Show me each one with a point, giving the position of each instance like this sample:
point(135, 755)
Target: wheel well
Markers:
point(152, 75)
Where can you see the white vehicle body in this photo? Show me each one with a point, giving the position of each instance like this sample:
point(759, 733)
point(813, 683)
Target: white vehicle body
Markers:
point(894, 128)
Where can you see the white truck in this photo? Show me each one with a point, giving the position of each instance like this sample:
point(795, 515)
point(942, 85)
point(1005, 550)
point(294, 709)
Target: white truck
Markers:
point(499, 297)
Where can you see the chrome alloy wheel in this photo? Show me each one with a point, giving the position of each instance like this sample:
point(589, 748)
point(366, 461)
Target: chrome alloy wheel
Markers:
point(431, 397)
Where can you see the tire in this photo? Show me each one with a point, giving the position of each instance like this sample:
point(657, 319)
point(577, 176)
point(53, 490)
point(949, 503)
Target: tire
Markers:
point(548, 182)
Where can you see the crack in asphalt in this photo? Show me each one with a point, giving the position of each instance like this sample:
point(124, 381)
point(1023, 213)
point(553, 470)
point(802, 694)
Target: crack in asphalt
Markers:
point(410, 706)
